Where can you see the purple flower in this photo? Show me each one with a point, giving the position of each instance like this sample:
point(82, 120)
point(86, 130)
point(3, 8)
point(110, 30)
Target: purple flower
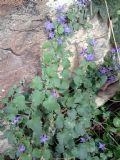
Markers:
point(51, 35)
point(67, 29)
point(61, 19)
point(82, 140)
point(59, 41)
point(49, 26)
point(102, 146)
point(83, 3)
point(103, 70)
point(60, 8)
point(113, 50)
point(16, 120)
point(90, 57)
point(119, 50)
point(111, 79)
point(92, 42)
point(85, 139)
point(55, 93)
point(43, 139)
point(83, 52)
point(21, 148)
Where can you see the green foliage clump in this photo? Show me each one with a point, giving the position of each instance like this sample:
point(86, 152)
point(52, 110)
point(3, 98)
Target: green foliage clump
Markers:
point(60, 108)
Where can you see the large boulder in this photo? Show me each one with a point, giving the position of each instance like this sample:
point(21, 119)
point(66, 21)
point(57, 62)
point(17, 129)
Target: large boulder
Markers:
point(21, 34)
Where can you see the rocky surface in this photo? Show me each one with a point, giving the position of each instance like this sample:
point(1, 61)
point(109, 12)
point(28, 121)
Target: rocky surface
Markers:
point(21, 34)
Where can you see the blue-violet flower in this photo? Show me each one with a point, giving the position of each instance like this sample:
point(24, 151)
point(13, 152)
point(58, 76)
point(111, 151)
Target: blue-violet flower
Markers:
point(55, 93)
point(113, 50)
point(83, 140)
point(49, 26)
point(84, 51)
point(67, 29)
point(51, 35)
point(61, 19)
point(103, 70)
point(111, 79)
point(83, 3)
point(59, 41)
point(16, 120)
point(22, 148)
point(43, 139)
point(102, 146)
point(90, 57)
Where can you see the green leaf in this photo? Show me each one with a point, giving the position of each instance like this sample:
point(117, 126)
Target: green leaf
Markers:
point(51, 104)
point(11, 109)
point(77, 80)
point(59, 121)
point(69, 123)
point(72, 114)
point(75, 152)
point(52, 70)
point(82, 152)
point(60, 29)
point(64, 84)
point(55, 82)
point(35, 124)
point(37, 97)
point(116, 122)
point(36, 153)
point(25, 157)
point(64, 137)
point(70, 102)
point(79, 129)
point(118, 12)
point(65, 63)
point(47, 57)
point(36, 83)
point(76, 26)
point(65, 74)
point(70, 15)
point(117, 152)
point(91, 146)
point(103, 156)
point(47, 45)
point(19, 102)
point(60, 148)
point(46, 154)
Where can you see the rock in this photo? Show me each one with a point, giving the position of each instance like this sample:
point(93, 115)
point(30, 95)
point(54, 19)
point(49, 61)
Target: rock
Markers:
point(21, 34)
point(103, 96)
point(100, 32)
